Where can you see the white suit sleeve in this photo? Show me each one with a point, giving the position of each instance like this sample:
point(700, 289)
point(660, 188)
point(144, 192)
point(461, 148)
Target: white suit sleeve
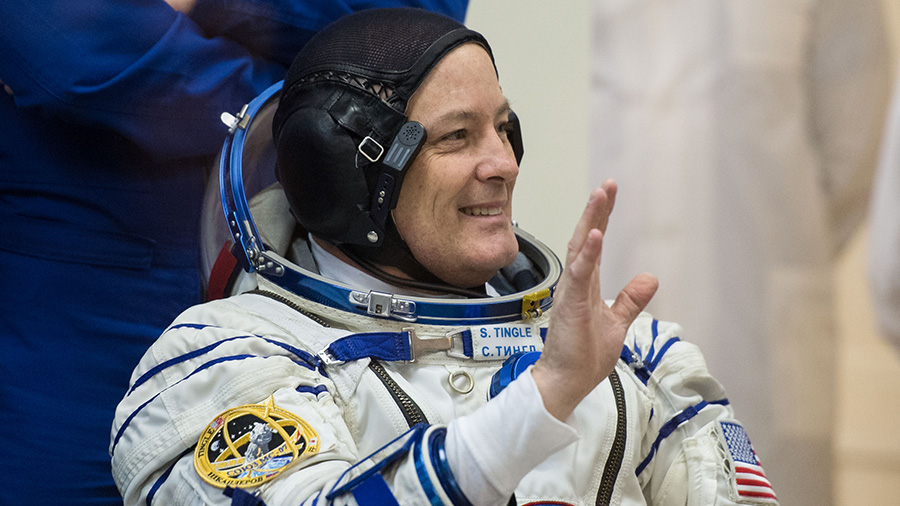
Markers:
point(496, 460)
point(693, 451)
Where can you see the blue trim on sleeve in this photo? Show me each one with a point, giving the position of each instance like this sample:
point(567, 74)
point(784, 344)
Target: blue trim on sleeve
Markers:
point(305, 359)
point(653, 358)
point(414, 436)
point(512, 368)
point(422, 473)
point(643, 366)
point(316, 390)
point(138, 410)
point(162, 479)
point(633, 361)
point(654, 332)
point(669, 427)
point(442, 468)
point(654, 361)
point(374, 491)
point(240, 497)
point(312, 501)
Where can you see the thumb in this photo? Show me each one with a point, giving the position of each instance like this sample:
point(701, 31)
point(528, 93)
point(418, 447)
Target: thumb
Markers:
point(635, 297)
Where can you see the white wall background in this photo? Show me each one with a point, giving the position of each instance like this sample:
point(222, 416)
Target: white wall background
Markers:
point(543, 57)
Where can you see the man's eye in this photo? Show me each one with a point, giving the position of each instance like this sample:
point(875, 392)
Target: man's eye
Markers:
point(455, 135)
point(506, 128)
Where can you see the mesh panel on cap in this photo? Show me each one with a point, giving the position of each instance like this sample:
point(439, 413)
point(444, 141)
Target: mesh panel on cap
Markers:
point(382, 41)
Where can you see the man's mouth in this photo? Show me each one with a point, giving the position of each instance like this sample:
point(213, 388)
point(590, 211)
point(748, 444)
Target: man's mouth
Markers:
point(482, 211)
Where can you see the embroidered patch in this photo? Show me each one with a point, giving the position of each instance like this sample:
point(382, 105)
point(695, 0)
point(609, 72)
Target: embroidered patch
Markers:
point(249, 445)
point(748, 481)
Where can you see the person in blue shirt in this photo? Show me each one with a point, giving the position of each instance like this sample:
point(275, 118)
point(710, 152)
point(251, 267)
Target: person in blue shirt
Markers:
point(109, 119)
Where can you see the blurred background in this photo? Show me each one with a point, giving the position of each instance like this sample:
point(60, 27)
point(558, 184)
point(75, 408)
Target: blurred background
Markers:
point(745, 137)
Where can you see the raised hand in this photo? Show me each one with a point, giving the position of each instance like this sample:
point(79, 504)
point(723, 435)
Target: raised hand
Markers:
point(586, 335)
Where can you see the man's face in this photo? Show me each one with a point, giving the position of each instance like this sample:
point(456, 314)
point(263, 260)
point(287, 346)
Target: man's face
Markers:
point(455, 205)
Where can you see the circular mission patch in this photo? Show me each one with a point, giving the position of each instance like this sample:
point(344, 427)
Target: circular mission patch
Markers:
point(249, 445)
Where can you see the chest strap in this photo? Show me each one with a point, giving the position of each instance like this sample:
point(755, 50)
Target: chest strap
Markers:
point(488, 342)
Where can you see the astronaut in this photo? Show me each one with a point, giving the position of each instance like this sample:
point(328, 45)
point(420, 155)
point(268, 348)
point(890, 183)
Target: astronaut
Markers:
point(403, 339)
point(260, 436)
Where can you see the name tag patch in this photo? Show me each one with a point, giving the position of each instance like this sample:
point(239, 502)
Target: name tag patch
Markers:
point(497, 342)
point(251, 444)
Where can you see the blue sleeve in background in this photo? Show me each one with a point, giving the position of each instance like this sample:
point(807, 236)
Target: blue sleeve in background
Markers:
point(277, 29)
point(133, 66)
point(104, 151)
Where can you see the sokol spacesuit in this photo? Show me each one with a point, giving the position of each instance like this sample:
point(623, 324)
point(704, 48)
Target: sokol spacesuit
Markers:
point(328, 383)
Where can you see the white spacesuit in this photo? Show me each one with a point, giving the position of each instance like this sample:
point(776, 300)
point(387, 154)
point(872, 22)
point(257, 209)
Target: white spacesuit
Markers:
point(660, 440)
point(326, 385)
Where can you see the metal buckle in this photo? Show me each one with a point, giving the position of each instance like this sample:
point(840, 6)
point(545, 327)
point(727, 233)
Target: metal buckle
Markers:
point(418, 346)
point(328, 358)
point(457, 349)
point(370, 145)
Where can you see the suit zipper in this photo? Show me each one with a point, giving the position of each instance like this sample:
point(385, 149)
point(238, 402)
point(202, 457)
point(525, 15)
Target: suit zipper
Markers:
point(617, 451)
point(411, 411)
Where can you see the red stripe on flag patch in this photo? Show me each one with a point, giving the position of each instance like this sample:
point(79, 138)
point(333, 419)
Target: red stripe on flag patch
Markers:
point(750, 478)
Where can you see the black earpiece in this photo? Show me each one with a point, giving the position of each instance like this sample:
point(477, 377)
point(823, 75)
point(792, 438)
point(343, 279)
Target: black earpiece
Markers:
point(400, 155)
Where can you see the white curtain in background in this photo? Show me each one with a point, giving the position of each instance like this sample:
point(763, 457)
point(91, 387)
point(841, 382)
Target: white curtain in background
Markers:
point(743, 135)
point(884, 230)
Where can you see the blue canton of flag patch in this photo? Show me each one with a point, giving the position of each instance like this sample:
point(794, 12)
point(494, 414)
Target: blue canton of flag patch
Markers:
point(749, 481)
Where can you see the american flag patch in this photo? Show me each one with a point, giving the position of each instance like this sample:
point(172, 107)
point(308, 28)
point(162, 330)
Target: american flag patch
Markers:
point(749, 480)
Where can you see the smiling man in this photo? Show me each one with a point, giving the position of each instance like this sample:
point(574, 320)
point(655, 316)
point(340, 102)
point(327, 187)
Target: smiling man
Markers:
point(406, 343)
point(456, 203)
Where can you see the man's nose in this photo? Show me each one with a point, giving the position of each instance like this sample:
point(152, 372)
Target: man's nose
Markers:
point(497, 160)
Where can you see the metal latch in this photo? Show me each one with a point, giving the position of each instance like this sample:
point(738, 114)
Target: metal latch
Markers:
point(384, 305)
point(531, 307)
point(234, 122)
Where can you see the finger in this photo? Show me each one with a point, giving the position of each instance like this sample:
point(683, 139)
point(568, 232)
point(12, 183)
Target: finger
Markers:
point(635, 297)
point(587, 222)
point(611, 188)
point(582, 270)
